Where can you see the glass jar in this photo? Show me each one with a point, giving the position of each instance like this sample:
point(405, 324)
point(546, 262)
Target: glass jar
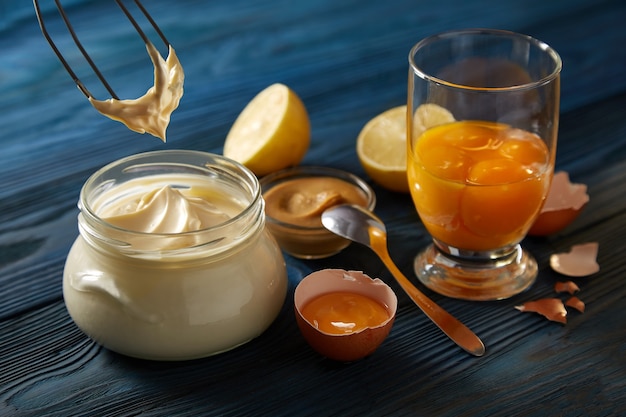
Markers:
point(174, 296)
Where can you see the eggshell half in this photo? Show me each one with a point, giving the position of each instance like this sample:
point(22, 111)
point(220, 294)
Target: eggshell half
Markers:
point(352, 346)
point(564, 203)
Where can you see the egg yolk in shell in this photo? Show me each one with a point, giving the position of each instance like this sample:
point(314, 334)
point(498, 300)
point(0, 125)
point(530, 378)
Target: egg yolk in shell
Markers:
point(344, 312)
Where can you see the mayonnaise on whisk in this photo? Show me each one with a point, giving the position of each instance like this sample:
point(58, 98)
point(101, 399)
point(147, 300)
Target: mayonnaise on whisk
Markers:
point(151, 112)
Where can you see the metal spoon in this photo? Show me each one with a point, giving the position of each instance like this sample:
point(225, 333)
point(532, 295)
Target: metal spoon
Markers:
point(361, 226)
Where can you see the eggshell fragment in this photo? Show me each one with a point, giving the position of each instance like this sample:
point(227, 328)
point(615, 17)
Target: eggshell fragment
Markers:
point(351, 346)
point(567, 286)
point(580, 261)
point(551, 308)
point(564, 203)
point(576, 303)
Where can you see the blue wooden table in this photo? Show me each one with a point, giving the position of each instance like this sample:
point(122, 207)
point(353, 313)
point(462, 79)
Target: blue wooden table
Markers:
point(348, 62)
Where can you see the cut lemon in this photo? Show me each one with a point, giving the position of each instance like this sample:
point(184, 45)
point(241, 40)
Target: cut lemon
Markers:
point(381, 148)
point(271, 133)
point(381, 144)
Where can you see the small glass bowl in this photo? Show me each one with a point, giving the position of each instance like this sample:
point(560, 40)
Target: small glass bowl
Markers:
point(311, 242)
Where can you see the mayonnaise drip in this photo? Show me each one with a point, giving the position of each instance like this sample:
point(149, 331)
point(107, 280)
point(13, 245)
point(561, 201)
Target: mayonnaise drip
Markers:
point(164, 210)
point(151, 112)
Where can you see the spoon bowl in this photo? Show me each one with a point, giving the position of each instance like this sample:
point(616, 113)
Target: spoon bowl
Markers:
point(362, 226)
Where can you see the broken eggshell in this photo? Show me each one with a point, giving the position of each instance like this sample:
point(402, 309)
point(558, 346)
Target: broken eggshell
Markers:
point(566, 286)
point(580, 261)
point(576, 303)
point(551, 308)
point(350, 346)
point(564, 203)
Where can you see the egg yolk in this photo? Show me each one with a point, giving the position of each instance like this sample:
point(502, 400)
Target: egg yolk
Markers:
point(343, 312)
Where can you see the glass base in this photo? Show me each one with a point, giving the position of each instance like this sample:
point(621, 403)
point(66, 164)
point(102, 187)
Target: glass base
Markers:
point(478, 278)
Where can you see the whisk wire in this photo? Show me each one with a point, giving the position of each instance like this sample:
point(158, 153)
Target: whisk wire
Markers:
point(83, 51)
point(136, 25)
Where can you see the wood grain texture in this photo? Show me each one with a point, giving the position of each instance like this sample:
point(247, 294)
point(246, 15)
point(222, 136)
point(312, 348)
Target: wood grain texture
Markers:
point(348, 62)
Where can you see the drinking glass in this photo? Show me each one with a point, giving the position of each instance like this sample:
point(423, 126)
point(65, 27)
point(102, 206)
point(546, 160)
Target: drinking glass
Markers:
point(483, 111)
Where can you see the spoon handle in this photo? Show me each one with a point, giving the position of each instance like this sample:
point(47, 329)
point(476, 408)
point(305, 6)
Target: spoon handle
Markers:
point(453, 328)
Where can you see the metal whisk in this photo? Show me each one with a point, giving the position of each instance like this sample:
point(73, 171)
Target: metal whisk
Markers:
point(68, 68)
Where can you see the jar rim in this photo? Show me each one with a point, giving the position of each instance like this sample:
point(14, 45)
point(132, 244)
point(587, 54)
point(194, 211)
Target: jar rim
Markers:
point(204, 161)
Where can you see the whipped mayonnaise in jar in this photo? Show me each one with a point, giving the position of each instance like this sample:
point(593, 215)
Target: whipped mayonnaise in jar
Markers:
point(173, 260)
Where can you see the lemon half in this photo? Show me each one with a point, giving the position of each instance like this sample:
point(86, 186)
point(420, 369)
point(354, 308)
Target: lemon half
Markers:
point(271, 133)
point(381, 148)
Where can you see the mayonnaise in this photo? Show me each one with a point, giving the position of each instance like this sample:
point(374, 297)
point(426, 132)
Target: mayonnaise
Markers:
point(173, 260)
point(163, 209)
point(151, 112)
point(172, 205)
